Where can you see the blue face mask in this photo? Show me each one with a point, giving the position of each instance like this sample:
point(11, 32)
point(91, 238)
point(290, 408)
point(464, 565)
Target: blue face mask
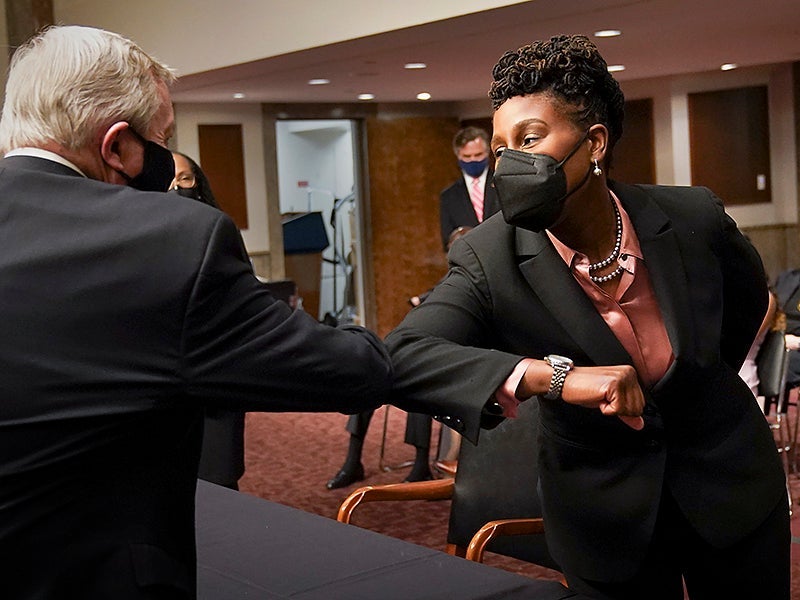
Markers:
point(473, 168)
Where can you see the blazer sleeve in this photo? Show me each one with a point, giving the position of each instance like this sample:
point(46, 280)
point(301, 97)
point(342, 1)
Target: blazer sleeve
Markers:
point(442, 363)
point(745, 291)
point(243, 349)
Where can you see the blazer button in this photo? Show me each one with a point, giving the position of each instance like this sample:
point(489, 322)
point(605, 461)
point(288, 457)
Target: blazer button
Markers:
point(653, 445)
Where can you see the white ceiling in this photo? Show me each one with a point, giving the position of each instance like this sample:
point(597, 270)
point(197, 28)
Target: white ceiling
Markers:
point(660, 38)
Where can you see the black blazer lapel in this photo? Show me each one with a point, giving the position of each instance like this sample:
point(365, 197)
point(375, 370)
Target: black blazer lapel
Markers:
point(552, 282)
point(661, 251)
point(490, 202)
point(464, 213)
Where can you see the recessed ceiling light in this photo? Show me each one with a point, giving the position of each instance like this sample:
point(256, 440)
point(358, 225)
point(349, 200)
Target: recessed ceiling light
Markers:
point(604, 33)
point(728, 66)
point(366, 96)
point(417, 65)
point(423, 96)
point(238, 95)
point(318, 81)
point(615, 68)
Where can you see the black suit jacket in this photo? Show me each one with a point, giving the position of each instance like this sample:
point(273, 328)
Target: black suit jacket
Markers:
point(455, 206)
point(124, 315)
point(509, 295)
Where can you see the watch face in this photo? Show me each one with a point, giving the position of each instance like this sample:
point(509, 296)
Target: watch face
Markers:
point(557, 360)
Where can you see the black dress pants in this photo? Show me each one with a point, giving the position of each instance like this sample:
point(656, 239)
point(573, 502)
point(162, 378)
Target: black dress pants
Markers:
point(755, 567)
point(418, 427)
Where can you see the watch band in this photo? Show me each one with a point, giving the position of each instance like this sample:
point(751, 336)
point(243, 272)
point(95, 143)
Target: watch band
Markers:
point(561, 366)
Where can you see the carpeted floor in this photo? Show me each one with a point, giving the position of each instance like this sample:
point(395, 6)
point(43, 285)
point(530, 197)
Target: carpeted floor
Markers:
point(290, 456)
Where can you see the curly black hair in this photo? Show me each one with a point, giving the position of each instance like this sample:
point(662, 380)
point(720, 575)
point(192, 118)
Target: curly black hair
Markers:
point(571, 69)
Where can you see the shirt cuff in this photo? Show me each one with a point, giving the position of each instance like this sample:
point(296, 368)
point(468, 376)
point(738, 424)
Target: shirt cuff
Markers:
point(506, 395)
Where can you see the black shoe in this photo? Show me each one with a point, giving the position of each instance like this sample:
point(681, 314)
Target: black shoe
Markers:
point(414, 476)
point(346, 477)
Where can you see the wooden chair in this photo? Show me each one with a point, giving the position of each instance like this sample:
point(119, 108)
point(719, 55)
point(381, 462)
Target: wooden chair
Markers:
point(495, 502)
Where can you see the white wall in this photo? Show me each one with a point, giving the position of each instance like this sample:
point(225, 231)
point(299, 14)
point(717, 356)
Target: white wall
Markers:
point(189, 116)
point(319, 152)
point(197, 35)
point(3, 44)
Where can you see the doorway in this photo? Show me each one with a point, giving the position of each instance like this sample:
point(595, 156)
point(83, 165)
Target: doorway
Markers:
point(318, 176)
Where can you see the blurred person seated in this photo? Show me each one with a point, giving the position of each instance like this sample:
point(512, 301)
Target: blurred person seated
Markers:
point(787, 288)
point(222, 453)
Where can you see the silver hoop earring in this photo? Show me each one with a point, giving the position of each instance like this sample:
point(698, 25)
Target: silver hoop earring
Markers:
point(597, 170)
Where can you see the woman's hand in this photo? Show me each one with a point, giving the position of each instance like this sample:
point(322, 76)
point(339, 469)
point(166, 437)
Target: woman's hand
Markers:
point(614, 390)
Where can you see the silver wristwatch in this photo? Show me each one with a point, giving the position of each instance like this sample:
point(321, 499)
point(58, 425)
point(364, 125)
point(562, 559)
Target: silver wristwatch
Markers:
point(561, 366)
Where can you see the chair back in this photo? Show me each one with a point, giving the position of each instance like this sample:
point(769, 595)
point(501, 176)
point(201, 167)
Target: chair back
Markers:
point(771, 365)
point(498, 479)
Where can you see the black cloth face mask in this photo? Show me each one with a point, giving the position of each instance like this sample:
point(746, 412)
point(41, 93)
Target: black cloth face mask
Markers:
point(532, 188)
point(191, 192)
point(158, 167)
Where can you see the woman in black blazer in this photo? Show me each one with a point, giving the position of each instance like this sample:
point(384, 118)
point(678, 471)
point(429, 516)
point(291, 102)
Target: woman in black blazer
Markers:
point(626, 312)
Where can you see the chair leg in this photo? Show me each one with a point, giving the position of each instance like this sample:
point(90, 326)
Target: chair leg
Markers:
point(455, 550)
point(784, 442)
point(793, 430)
point(449, 444)
point(384, 467)
point(785, 447)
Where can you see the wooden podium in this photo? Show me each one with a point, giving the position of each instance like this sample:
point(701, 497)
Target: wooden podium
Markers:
point(304, 239)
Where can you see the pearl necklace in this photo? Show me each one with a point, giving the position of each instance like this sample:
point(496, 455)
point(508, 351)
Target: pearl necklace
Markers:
point(611, 257)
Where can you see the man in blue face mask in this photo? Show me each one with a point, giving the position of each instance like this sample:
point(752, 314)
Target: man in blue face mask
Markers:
point(470, 199)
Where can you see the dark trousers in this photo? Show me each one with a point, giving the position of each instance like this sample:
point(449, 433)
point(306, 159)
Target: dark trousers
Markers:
point(418, 427)
point(793, 372)
point(755, 567)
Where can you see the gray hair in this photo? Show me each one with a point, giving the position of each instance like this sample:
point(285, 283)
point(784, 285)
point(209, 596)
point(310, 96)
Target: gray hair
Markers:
point(67, 82)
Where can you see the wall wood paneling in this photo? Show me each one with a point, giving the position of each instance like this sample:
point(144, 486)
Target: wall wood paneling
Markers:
point(410, 162)
point(729, 141)
point(222, 160)
point(634, 156)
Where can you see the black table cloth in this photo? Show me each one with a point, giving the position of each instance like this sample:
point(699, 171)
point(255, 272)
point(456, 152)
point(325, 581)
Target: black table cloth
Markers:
point(251, 548)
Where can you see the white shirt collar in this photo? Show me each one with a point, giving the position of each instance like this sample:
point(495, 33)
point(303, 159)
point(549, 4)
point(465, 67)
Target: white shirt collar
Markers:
point(47, 155)
point(482, 177)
